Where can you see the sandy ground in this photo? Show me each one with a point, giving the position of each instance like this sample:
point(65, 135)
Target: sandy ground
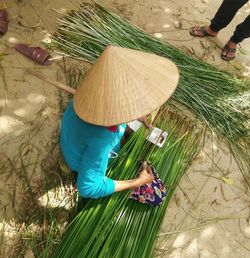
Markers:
point(208, 216)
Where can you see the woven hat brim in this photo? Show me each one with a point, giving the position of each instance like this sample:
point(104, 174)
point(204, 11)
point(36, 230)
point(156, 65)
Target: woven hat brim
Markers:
point(124, 85)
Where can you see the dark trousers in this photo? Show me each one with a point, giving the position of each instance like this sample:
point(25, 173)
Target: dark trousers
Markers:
point(224, 16)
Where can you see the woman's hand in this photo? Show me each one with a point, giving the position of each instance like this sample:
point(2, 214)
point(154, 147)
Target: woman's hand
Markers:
point(145, 122)
point(145, 165)
point(145, 176)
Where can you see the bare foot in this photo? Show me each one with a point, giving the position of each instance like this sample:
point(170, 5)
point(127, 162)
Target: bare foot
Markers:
point(202, 31)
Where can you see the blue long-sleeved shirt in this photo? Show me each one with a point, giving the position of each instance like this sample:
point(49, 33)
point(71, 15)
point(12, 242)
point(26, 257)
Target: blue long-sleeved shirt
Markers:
point(86, 150)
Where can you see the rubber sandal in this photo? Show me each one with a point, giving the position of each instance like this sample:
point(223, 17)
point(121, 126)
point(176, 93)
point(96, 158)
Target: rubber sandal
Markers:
point(36, 54)
point(227, 49)
point(4, 22)
point(202, 30)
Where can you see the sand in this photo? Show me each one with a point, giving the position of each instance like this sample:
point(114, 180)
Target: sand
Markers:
point(209, 215)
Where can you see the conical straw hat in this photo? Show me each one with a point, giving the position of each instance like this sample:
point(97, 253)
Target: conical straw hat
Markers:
point(124, 85)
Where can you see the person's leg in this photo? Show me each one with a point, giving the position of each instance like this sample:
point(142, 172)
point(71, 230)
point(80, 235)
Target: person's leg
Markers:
point(225, 14)
point(242, 32)
point(222, 18)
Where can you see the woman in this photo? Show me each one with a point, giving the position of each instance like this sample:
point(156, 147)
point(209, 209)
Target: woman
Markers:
point(121, 86)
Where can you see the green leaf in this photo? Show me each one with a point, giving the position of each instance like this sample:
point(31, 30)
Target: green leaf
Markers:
point(243, 51)
point(1, 56)
point(227, 180)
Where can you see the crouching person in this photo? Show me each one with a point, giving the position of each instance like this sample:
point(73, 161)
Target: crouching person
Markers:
point(121, 86)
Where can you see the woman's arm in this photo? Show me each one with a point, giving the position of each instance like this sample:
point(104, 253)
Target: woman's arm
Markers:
point(145, 177)
point(92, 181)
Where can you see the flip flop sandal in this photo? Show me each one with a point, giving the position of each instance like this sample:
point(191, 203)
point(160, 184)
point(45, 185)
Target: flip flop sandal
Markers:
point(202, 29)
point(36, 54)
point(3, 22)
point(228, 50)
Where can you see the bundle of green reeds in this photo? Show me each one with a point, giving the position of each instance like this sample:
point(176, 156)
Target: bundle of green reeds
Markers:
point(117, 226)
point(208, 92)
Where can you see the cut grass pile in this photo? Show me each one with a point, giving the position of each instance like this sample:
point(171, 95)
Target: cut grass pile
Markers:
point(218, 98)
point(117, 226)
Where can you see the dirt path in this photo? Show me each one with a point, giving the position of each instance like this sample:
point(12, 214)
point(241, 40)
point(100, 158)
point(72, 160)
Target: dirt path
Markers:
point(209, 215)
